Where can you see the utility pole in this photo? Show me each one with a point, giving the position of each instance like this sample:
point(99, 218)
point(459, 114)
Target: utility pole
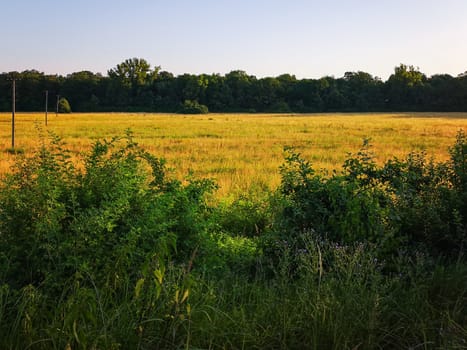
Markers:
point(13, 110)
point(13, 77)
point(46, 105)
point(56, 111)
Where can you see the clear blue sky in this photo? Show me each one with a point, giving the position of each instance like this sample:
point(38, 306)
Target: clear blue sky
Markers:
point(308, 38)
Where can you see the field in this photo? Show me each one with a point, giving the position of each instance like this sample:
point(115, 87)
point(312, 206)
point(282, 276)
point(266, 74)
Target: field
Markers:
point(241, 151)
point(114, 254)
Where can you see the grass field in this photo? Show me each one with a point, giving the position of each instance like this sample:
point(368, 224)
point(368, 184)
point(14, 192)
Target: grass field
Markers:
point(240, 150)
point(105, 260)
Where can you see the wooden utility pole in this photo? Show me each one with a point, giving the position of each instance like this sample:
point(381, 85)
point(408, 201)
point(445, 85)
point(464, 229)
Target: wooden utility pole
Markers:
point(13, 76)
point(13, 110)
point(46, 105)
point(56, 111)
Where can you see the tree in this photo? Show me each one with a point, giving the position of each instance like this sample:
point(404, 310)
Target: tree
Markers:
point(218, 94)
point(82, 89)
point(240, 84)
point(442, 92)
point(63, 106)
point(192, 87)
point(131, 82)
point(30, 90)
point(164, 92)
point(363, 91)
point(405, 87)
point(134, 72)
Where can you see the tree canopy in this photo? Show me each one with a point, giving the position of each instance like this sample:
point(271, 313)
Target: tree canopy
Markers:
point(135, 85)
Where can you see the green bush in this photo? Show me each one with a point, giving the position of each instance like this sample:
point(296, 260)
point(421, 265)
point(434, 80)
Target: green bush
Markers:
point(343, 207)
point(104, 221)
point(246, 215)
point(409, 204)
point(64, 106)
point(193, 107)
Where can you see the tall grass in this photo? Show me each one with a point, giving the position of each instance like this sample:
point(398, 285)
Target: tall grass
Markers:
point(111, 251)
point(241, 151)
point(347, 305)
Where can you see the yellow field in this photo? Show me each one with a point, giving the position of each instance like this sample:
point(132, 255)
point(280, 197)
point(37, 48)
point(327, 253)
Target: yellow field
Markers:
point(241, 150)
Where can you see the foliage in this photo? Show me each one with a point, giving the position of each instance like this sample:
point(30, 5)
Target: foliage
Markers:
point(193, 107)
point(104, 221)
point(112, 253)
point(134, 86)
point(412, 203)
point(63, 106)
point(245, 215)
point(346, 207)
point(339, 300)
point(134, 72)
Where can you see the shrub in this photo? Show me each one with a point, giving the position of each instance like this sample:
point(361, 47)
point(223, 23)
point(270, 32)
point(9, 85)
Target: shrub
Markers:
point(193, 107)
point(64, 106)
point(344, 207)
point(413, 204)
point(246, 215)
point(104, 221)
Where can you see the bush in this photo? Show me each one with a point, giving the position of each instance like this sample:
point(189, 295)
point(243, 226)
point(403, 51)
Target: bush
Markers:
point(246, 215)
point(343, 207)
point(410, 205)
point(104, 221)
point(64, 106)
point(193, 107)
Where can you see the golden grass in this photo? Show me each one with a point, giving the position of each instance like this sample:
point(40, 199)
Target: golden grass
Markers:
point(241, 150)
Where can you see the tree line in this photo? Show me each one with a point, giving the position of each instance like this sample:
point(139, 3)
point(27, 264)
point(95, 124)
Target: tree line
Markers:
point(134, 85)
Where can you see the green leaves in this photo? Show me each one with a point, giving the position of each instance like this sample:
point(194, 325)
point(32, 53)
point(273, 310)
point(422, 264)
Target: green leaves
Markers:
point(105, 219)
point(403, 203)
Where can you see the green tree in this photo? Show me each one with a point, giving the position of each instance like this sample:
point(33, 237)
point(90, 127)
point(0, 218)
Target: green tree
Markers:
point(218, 94)
point(82, 89)
point(363, 91)
point(240, 84)
point(63, 106)
point(164, 92)
point(405, 87)
point(266, 93)
point(192, 87)
point(442, 92)
point(30, 90)
point(132, 82)
point(134, 72)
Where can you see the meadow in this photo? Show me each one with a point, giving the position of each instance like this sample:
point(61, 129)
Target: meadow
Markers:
point(115, 252)
point(241, 151)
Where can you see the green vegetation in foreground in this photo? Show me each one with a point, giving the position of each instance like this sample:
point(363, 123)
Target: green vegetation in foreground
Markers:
point(113, 253)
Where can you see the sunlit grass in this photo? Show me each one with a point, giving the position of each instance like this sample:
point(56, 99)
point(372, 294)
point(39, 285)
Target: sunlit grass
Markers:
point(242, 150)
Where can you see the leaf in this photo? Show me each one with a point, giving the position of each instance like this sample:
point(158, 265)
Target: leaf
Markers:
point(159, 274)
point(158, 290)
point(185, 295)
point(138, 287)
point(75, 331)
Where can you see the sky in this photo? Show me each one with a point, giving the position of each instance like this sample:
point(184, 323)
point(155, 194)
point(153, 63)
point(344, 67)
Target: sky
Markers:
point(306, 38)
